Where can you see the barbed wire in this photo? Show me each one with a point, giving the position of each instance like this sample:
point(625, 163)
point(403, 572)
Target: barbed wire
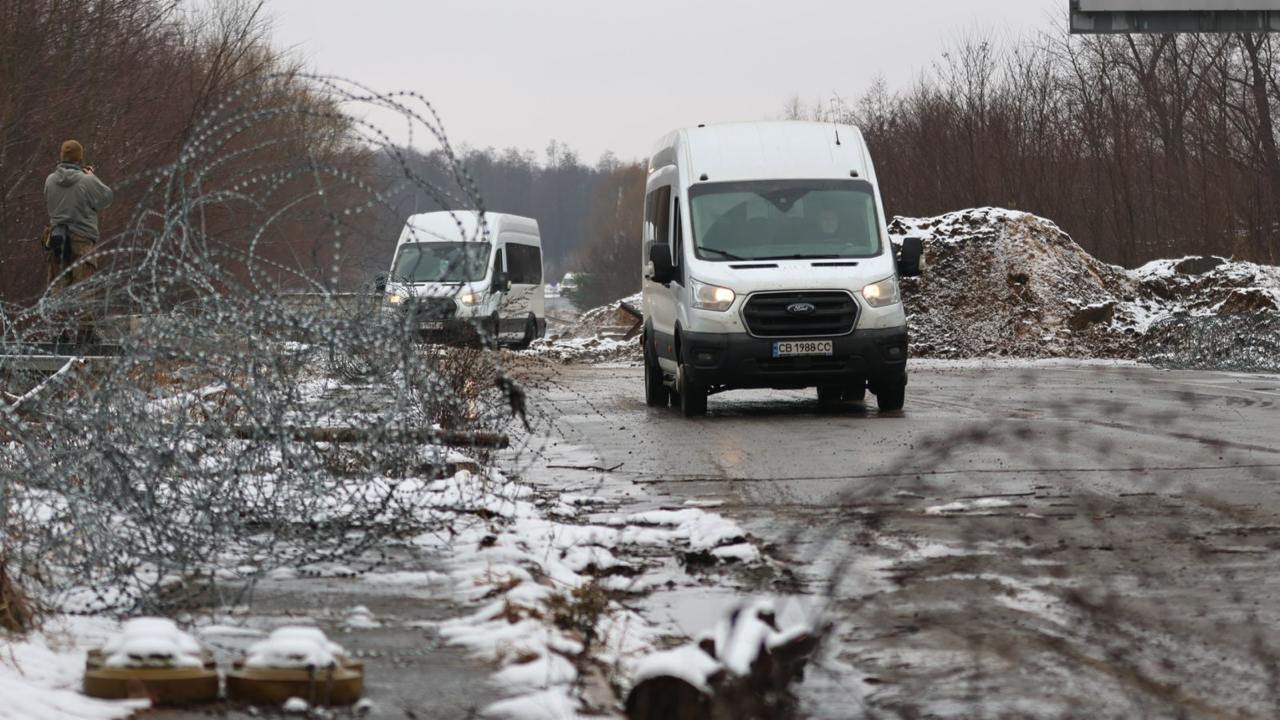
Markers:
point(261, 406)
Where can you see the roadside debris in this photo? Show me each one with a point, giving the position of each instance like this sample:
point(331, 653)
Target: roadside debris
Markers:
point(605, 334)
point(744, 669)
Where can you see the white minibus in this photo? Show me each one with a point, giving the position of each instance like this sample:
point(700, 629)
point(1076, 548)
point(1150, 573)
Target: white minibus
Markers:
point(767, 264)
point(461, 274)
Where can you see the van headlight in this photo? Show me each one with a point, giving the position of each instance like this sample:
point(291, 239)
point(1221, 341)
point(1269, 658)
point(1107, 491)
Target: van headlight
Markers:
point(396, 298)
point(883, 293)
point(712, 297)
point(471, 299)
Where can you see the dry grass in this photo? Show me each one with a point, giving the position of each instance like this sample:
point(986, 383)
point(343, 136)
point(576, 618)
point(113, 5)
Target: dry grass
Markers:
point(19, 613)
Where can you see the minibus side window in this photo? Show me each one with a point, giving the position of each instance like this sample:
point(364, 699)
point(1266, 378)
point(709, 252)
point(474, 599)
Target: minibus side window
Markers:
point(657, 218)
point(677, 243)
point(497, 263)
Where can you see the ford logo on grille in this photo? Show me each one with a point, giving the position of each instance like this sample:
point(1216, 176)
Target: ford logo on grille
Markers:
point(802, 308)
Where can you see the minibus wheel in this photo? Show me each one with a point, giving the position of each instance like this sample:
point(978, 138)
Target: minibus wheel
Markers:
point(495, 328)
point(693, 398)
point(830, 395)
point(530, 332)
point(655, 391)
point(891, 397)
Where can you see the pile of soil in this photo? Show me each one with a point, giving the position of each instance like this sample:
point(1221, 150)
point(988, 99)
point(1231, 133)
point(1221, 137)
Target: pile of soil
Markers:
point(1004, 283)
point(604, 334)
point(998, 283)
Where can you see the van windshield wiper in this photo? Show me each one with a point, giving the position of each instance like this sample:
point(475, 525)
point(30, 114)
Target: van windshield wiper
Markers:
point(723, 254)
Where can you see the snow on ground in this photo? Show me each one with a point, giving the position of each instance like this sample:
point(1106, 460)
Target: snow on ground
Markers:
point(40, 676)
point(540, 577)
point(548, 624)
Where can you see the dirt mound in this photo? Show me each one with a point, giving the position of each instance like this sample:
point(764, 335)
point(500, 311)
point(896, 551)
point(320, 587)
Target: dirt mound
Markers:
point(604, 334)
point(1002, 283)
point(1246, 342)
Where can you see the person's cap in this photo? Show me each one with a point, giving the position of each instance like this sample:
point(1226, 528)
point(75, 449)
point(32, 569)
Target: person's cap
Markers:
point(72, 151)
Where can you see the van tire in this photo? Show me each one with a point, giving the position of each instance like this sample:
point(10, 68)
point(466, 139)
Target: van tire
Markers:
point(891, 397)
point(693, 398)
point(495, 330)
point(530, 333)
point(830, 395)
point(656, 393)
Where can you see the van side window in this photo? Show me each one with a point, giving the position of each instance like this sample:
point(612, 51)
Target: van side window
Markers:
point(535, 266)
point(677, 242)
point(657, 217)
point(498, 264)
point(525, 262)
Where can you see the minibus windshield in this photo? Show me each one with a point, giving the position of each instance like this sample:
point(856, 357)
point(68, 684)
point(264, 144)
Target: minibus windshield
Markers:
point(450, 262)
point(784, 220)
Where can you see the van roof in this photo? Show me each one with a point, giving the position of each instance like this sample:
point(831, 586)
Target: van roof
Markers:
point(782, 149)
point(460, 225)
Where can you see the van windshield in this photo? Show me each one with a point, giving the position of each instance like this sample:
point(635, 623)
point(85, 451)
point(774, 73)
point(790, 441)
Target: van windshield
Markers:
point(451, 262)
point(784, 220)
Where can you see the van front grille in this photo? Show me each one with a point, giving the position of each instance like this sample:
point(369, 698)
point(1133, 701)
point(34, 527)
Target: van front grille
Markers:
point(426, 309)
point(781, 314)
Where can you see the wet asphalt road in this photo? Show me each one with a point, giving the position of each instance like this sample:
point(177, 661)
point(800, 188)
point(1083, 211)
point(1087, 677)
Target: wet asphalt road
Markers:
point(1049, 541)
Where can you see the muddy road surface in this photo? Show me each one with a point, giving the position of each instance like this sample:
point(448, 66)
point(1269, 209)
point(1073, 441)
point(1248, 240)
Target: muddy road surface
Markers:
point(1053, 540)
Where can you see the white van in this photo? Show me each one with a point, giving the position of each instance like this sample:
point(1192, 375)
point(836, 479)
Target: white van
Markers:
point(460, 274)
point(767, 264)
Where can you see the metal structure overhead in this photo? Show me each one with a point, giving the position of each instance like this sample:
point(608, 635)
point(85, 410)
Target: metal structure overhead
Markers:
point(1174, 16)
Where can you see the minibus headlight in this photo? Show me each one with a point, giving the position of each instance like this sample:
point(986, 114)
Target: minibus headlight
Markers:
point(396, 299)
point(883, 293)
point(470, 299)
point(712, 297)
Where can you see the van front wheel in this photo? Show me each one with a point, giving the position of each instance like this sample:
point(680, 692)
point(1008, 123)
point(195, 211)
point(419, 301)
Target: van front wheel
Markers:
point(655, 392)
point(693, 398)
point(891, 396)
point(530, 332)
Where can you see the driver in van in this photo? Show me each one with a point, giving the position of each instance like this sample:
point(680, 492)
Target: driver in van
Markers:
point(828, 223)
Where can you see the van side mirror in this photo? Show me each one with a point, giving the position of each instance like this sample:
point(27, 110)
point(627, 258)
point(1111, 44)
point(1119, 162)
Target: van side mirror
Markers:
point(379, 283)
point(501, 282)
point(908, 257)
point(660, 268)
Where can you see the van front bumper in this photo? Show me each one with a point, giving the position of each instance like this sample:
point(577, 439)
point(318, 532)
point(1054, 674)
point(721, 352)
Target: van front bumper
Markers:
point(738, 360)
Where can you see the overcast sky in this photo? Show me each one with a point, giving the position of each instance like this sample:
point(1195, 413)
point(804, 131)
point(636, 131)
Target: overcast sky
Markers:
point(617, 74)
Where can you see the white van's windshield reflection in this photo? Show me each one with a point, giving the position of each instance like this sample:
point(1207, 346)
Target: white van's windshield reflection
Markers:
point(448, 262)
point(784, 220)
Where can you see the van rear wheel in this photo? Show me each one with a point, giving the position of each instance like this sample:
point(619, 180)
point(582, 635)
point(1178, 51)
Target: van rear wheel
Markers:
point(693, 397)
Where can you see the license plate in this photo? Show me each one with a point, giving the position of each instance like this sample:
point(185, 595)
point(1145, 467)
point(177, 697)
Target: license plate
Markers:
point(433, 325)
point(799, 348)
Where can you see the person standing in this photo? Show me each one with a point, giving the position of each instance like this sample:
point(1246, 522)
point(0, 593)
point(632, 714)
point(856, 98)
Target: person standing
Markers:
point(74, 196)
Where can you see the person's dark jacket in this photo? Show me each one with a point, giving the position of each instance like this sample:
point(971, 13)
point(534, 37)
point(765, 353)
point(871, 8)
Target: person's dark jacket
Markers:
point(75, 198)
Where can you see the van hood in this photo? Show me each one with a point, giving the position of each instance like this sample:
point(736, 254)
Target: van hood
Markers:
point(748, 276)
point(436, 290)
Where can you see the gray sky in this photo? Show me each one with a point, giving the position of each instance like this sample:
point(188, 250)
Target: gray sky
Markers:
point(616, 74)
